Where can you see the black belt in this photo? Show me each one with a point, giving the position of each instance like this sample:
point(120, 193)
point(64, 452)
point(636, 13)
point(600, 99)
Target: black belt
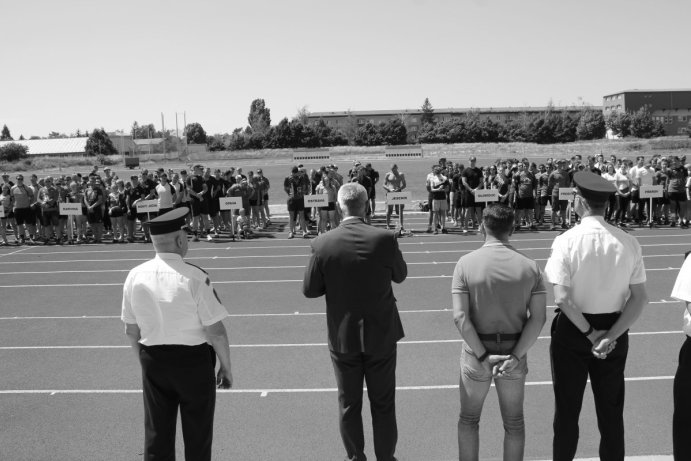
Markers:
point(499, 337)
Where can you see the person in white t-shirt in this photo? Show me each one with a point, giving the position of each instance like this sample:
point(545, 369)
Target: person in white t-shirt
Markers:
point(681, 421)
point(166, 195)
point(640, 174)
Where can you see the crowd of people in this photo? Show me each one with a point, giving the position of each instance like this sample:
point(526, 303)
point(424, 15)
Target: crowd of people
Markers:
point(529, 187)
point(109, 203)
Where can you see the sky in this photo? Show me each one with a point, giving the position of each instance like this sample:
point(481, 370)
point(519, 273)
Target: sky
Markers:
point(83, 64)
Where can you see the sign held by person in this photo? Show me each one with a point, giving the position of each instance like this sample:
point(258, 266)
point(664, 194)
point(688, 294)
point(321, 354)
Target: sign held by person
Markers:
point(651, 191)
point(70, 209)
point(147, 206)
point(230, 203)
point(316, 200)
point(398, 198)
point(566, 193)
point(487, 195)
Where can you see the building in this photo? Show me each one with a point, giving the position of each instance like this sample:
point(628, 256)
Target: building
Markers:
point(52, 146)
point(412, 117)
point(671, 107)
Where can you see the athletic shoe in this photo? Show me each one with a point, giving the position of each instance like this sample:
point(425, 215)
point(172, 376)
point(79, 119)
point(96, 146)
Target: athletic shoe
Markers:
point(533, 227)
point(444, 231)
point(290, 235)
point(465, 231)
point(195, 238)
point(209, 238)
point(429, 230)
point(436, 231)
point(305, 235)
point(673, 224)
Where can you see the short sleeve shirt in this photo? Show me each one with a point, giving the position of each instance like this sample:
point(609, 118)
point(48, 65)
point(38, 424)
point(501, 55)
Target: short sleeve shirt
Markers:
point(682, 291)
point(500, 282)
point(473, 176)
point(171, 301)
point(599, 262)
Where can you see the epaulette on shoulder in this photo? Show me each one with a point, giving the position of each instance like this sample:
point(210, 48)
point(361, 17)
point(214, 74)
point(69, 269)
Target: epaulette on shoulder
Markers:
point(194, 265)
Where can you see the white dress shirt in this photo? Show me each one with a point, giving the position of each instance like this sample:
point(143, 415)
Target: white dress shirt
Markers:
point(599, 262)
point(682, 292)
point(171, 301)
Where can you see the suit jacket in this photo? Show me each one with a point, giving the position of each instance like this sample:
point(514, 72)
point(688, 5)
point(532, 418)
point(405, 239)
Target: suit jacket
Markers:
point(354, 265)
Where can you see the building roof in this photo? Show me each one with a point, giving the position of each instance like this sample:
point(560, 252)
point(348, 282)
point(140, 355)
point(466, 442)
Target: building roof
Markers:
point(635, 90)
point(451, 110)
point(54, 146)
point(148, 141)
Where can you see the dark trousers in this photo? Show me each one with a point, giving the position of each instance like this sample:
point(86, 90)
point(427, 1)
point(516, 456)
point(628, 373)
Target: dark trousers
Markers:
point(379, 371)
point(681, 422)
point(572, 362)
point(178, 376)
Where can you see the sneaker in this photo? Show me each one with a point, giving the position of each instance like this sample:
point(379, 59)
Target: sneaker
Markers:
point(209, 238)
point(444, 231)
point(436, 231)
point(216, 235)
point(429, 230)
point(305, 235)
point(268, 222)
point(290, 235)
point(195, 238)
point(533, 227)
point(673, 224)
point(465, 231)
point(564, 225)
point(684, 226)
point(517, 228)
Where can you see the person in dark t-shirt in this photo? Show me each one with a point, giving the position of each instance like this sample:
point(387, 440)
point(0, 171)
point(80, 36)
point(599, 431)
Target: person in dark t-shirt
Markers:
point(472, 180)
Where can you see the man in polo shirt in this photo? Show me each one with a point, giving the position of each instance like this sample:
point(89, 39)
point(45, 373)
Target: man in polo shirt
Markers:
point(599, 287)
point(497, 329)
point(23, 197)
point(174, 323)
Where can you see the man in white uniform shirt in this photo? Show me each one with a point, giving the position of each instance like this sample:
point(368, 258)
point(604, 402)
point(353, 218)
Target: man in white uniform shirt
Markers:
point(599, 287)
point(174, 323)
point(641, 175)
point(681, 422)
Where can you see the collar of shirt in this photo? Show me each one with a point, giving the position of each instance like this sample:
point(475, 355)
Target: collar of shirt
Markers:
point(351, 218)
point(169, 256)
point(593, 219)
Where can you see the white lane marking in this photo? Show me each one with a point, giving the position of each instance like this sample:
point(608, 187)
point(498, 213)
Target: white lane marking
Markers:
point(286, 345)
point(265, 392)
point(15, 252)
point(286, 314)
point(129, 249)
point(107, 271)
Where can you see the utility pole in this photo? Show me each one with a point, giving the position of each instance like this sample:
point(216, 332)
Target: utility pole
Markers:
point(163, 131)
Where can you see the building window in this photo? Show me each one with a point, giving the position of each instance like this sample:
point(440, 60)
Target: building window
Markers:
point(360, 121)
point(669, 120)
point(683, 118)
point(681, 130)
point(414, 120)
point(413, 129)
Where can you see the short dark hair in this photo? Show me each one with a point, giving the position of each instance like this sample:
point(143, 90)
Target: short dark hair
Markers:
point(498, 219)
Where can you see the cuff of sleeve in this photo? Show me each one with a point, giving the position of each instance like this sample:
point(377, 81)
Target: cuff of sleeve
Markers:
point(215, 319)
point(457, 291)
point(126, 319)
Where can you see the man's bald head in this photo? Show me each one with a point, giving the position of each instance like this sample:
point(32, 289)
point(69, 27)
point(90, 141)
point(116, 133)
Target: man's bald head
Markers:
point(352, 198)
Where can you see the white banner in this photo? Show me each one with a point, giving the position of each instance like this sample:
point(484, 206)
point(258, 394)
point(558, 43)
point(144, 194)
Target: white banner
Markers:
point(147, 206)
point(399, 198)
point(230, 203)
point(317, 200)
point(566, 193)
point(70, 209)
point(487, 195)
point(651, 191)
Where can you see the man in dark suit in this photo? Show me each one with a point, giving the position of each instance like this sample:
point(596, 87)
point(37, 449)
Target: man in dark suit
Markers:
point(354, 265)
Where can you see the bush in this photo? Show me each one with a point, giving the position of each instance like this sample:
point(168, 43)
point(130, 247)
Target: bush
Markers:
point(13, 152)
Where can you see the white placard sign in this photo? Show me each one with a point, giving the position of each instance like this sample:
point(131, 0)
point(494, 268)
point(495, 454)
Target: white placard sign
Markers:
point(651, 191)
point(566, 193)
point(147, 206)
point(230, 203)
point(70, 209)
point(317, 200)
point(398, 198)
point(2, 211)
point(487, 195)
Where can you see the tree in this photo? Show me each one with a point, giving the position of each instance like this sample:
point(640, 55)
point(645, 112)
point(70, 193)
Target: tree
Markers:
point(260, 116)
point(394, 132)
point(195, 133)
point(12, 152)
point(642, 125)
point(303, 115)
point(591, 125)
point(619, 122)
point(5, 135)
point(215, 143)
point(21, 137)
point(368, 135)
point(56, 135)
point(144, 131)
point(99, 144)
point(427, 113)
